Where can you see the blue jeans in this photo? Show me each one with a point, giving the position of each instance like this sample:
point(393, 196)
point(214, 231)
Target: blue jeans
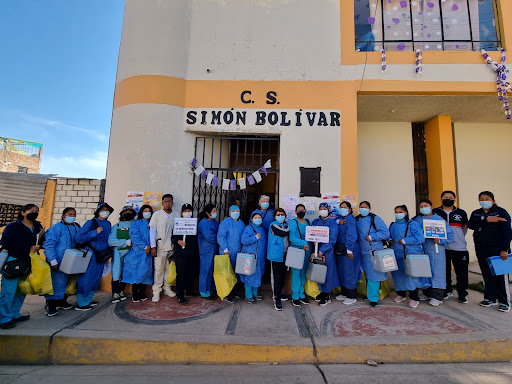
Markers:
point(298, 281)
point(372, 291)
point(250, 292)
point(10, 302)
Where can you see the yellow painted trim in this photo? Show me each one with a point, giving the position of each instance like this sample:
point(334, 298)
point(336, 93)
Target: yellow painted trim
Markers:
point(440, 157)
point(349, 148)
point(46, 210)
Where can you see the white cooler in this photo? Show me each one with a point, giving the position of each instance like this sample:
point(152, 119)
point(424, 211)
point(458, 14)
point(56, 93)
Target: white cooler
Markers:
point(417, 266)
point(384, 260)
point(3, 258)
point(75, 261)
point(316, 273)
point(245, 263)
point(295, 258)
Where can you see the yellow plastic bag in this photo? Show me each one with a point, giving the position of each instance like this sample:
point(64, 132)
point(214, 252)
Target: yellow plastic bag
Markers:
point(384, 289)
point(336, 291)
point(171, 275)
point(311, 288)
point(224, 276)
point(71, 287)
point(39, 281)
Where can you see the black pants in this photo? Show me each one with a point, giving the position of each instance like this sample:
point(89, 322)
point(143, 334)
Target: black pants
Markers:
point(138, 291)
point(435, 293)
point(184, 275)
point(413, 295)
point(496, 287)
point(460, 260)
point(350, 293)
point(278, 275)
point(118, 287)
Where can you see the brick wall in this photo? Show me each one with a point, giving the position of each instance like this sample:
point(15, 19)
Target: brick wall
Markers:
point(33, 164)
point(81, 194)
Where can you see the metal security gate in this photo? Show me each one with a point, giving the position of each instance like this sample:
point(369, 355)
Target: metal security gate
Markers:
point(234, 158)
point(420, 163)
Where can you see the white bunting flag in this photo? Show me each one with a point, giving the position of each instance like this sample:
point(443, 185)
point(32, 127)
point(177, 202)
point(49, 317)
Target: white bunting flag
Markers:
point(225, 184)
point(241, 183)
point(268, 164)
point(256, 176)
point(209, 178)
point(199, 170)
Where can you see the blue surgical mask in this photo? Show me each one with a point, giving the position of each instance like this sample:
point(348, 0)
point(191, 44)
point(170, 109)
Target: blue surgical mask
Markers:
point(235, 215)
point(146, 215)
point(400, 216)
point(213, 215)
point(486, 204)
point(69, 219)
point(257, 221)
point(265, 205)
point(344, 212)
point(425, 210)
point(364, 211)
point(280, 219)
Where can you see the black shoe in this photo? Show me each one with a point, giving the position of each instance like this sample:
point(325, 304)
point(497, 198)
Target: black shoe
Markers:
point(463, 300)
point(487, 303)
point(229, 300)
point(250, 300)
point(182, 301)
point(304, 301)
point(50, 310)
point(122, 296)
point(135, 299)
point(63, 304)
point(277, 305)
point(319, 297)
point(93, 303)
point(258, 297)
point(116, 298)
point(325, 300)
point(374, 305)
point(8, 325)
point(284, 298)
point(84, 308)
point(22, 318)
point(296, 303)
point(211, 297)
point(504, 308)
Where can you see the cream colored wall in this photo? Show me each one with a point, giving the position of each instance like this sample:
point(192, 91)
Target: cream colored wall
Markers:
point(386, 167)
point(484, 163)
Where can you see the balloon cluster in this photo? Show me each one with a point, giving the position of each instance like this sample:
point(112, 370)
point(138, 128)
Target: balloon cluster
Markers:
point(419, 61)
point(384, 65)
point(501, 83)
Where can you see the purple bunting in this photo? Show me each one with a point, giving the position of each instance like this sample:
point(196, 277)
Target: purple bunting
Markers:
point(455, 7)
point(194, 162)
point(396, 20)
point(215, 181)
point(371, 20)
point(250, 179)
point(403, 4)
point(204, 175)
point(264, 170)
point(430, 5)
point(401, 46)
point(232, 184)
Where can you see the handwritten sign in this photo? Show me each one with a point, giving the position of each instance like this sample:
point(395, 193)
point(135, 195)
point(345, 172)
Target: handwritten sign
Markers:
point(434, 229)
point(317, 234)
point(185, 226)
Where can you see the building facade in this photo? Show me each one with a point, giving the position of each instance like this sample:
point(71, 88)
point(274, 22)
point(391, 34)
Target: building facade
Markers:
point(20, 156)
point(305, 84)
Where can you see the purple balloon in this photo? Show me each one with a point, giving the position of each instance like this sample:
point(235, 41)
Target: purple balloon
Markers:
point(403, 4)
point(455, 7)
point(401, 46)
point(457, 46)
point(371, 20)
point(396, 20)
point(430, 5)
point(429, 35)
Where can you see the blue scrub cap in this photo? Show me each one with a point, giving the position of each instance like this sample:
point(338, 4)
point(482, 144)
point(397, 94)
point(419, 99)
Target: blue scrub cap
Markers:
point(233, 207)
point(324, 205)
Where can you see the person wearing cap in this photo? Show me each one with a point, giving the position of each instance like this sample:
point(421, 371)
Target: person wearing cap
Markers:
point(95, 233)
point(160, 232)
point(186, 254)
point(229, 238)
point(119, 239)
point(267, 214)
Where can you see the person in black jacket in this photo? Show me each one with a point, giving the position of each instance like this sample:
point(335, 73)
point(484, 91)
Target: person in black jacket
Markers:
point(492, 236)
point(20, 239)
point(186, 253)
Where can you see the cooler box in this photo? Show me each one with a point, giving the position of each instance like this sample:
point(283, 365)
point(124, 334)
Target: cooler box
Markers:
point(123, 233)
point(75, 261)
point(295, 258)
point(3, 258)
point(499, 266)
point(417, 266)
point(316, 273)
point(384, 260)
point(245, 263)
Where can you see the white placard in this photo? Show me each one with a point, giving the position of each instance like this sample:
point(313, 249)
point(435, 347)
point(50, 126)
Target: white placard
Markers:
point(434, 229)
point(185, 226)
point(317, 234)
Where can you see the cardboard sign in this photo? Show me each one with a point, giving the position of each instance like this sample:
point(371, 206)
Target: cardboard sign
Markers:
point(317, 234)
point(185, 226)
point(434, 229)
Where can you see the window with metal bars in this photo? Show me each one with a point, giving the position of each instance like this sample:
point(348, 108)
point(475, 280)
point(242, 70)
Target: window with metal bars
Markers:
point(420, 163)
point(429, 25)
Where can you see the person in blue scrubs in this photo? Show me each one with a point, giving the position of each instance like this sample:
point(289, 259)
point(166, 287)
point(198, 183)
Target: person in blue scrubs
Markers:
point(326, 251)
point(277, 245)
point(436, 253)
point(229, 238)
point(138, 264)
point(20, 239)
point(119, 239)
point(95, 232)
point(58, 238)
point(298, 240)
point(267, 214)
point(348, 254)
point(254, 241)
point(406, 233)
point(207, 231)
point(371, 231)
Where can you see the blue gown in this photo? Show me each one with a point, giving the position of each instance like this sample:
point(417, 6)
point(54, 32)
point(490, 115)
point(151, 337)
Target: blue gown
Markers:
point(120, 249)
point(267, 216)
point(251, 244)
point(89, 281)
point(348, 270)
point(382, 233)
point(58, 238)
point(327, 249)
point(207, 238)
point(230, 236)
point(138, 267)
point(437, 260)
point(413, 241)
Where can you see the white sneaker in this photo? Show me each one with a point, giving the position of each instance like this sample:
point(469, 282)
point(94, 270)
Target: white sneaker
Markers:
point(423, 298)
point(435, 302)
point(169, 293)
point(156, 298)
point(341, 297)
point(349, 301)
point(399, 299)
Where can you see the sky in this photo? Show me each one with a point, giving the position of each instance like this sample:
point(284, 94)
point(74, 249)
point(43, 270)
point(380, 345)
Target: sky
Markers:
point(58, 62)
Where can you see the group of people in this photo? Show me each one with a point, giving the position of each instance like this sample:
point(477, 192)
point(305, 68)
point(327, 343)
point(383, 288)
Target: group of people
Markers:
point(142, 245)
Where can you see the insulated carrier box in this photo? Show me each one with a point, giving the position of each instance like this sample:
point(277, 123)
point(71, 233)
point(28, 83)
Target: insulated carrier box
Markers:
point(295, 258)
point(316, 272)
point(75, 261)
point(417, 266)
point(384, 260)
point(498, 266)
point(245, 263)
point(3, 257)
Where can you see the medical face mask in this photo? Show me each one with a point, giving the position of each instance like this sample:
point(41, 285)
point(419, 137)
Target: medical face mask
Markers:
point(400, 216)
point(425, 210)
point(486, 204)
point(235, 215)
point(146, 215)
point(265, 205)
point(448, 202)
point(213, 215)
point(187, 215)
point(104, 214)
point(364, 211)
point(32, 216)
point(324, 213)
point(69, 219)
point(280, 219)
point(344, 212)
point(301, 214)
point(257, 221)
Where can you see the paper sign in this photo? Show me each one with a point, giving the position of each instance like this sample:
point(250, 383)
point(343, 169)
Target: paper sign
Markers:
point(199, 170)
point(185, 226)
point(209, 178)
point(135, 200)
point(434, 229)
point(257, 176)
point(225, 184)
point(291, 200)
point(154, 199)
point(317, 234)
point(310, 205)
point(241, 183)
point(333, 199)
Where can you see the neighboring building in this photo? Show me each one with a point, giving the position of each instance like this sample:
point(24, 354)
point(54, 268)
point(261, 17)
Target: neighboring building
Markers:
point(226, 82)
point(20, 156)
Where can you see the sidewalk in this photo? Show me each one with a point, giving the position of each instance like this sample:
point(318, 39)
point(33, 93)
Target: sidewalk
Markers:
point(216, 333)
